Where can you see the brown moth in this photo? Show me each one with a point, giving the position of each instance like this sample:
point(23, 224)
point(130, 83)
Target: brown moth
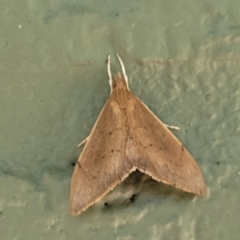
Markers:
point(126, 137)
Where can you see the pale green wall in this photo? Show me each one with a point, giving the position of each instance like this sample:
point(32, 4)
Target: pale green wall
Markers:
point(183, 61)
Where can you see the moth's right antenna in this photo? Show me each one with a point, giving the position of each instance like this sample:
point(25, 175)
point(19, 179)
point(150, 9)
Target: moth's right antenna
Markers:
point(123, 70)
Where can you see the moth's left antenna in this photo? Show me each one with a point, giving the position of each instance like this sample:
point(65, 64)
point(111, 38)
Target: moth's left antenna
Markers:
point(109, 72)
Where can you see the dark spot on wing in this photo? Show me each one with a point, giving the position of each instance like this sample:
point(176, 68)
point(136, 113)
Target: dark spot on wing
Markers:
point(182, 151)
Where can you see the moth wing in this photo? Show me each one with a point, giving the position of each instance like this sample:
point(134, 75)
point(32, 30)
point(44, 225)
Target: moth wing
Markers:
point(160, 154)
point(102, 163)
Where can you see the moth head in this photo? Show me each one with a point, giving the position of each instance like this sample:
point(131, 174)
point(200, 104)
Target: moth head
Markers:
point(119, 82)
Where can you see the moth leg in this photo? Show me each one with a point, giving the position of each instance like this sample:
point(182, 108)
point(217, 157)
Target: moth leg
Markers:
point(123, 70)
point(172, 127)
point(109, 72)
point(83, 142)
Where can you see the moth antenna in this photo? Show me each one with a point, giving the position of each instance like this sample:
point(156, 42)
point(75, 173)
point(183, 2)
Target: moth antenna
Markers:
point(109, 73)
point(123, 70)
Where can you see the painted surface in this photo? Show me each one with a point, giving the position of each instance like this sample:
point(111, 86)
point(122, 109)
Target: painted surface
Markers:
point(183, 60)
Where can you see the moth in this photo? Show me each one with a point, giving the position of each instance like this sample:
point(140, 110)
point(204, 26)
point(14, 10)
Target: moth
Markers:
point(127, 136)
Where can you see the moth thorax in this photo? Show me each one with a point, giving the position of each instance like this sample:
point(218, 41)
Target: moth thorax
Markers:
point(119, 82)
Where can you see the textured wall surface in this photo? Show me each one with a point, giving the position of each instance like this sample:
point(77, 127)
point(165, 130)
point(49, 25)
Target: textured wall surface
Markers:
point(183, 61)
